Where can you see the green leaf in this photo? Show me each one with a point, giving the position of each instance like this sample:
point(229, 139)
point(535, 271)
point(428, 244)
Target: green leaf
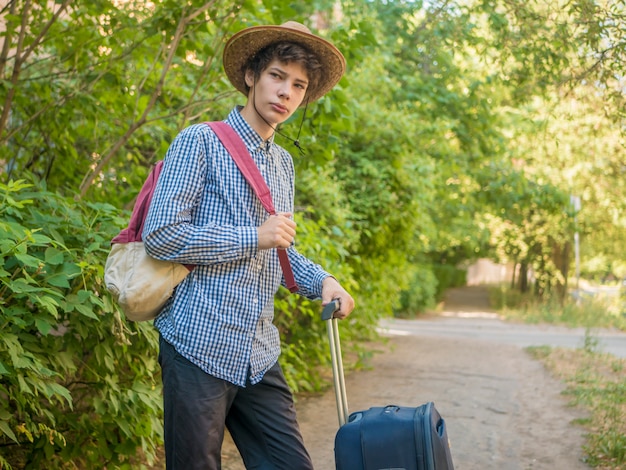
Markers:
point(24, 388)
point(86, 310)
point(84, 296)
point(28, 260)
point(95, 246)
point(59, 390)
point(62, 277)
point(43, 326)
point(41, 239)
point(49, 303)
point(6, 430)
point(54, 256)
point(58, 280)
point(125, 428)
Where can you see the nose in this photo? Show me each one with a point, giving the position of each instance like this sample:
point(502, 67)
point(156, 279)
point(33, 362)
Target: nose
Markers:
point(283, 91)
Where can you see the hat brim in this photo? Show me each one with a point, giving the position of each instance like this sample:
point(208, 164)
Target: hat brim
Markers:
point(246, 43)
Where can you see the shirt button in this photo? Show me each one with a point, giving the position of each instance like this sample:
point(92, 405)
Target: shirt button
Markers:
point(255, 301)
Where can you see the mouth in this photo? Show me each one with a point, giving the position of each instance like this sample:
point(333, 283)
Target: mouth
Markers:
point(279, 108)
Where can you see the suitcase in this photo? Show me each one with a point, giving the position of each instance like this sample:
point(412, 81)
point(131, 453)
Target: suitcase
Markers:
point(388, 437)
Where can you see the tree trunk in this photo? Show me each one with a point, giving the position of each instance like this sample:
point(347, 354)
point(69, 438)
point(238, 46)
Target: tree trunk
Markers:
point(513, 275)
point(561, 257)
point(523, 277)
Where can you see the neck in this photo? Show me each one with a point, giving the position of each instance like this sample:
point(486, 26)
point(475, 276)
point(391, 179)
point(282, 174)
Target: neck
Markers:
point(252, 117)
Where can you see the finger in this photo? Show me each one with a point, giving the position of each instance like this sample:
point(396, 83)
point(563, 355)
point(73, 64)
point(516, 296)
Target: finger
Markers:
point(326, 298)
point(287, 218)
point(346, 305)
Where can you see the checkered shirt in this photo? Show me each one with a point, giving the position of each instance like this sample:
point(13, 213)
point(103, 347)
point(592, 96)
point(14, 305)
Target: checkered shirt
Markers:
point(204, 213)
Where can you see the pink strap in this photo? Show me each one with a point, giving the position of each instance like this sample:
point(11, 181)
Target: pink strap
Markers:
point(238, 151)
point(132, 233)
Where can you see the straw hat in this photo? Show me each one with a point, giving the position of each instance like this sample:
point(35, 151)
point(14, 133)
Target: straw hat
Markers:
point(246, 43)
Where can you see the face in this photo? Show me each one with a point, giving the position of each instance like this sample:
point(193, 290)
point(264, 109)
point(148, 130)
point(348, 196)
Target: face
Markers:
point(277, 93)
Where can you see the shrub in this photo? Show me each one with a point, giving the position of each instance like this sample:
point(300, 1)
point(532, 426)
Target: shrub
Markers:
point(448, 276)
point(420, 294)
point(77, 384)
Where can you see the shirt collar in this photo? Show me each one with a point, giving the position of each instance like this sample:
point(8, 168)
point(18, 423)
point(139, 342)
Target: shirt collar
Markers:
point(250, 137)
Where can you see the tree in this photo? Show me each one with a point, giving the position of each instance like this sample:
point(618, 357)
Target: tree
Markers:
point(106, 96)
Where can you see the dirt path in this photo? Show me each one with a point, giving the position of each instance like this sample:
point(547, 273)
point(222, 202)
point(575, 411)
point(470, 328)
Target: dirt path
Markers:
point(502, 409)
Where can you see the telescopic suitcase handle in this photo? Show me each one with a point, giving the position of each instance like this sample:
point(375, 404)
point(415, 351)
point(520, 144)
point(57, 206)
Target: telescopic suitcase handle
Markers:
point(328, 315)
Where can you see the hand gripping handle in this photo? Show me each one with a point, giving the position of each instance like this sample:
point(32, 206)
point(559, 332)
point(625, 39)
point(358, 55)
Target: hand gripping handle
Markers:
point(335, 353)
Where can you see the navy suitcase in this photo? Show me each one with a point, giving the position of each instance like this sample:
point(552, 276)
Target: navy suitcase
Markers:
point(385, 438)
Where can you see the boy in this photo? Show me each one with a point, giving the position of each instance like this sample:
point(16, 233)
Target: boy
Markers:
point(218, 346)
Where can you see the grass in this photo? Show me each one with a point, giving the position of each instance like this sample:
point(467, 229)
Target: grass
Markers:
point(588, 313)
point(595, 381)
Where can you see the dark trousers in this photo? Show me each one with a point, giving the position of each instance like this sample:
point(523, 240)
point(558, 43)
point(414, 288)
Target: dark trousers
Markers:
point(261, 418)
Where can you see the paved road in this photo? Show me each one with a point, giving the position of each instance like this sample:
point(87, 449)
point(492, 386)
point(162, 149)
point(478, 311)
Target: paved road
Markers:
point(487, 327)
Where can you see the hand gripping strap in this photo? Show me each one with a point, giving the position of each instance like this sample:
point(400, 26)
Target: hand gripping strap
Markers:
point(238, 151)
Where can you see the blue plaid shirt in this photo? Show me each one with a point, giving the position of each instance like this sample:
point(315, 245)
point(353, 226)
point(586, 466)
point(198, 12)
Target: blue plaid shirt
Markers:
point(204, 213)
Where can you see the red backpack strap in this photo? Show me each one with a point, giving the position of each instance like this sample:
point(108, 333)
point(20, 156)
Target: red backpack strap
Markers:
point(239, 153)
point(145, 198)
point(132, 233)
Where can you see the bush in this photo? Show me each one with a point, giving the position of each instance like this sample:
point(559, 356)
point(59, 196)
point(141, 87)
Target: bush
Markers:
point(78, 386)
point(420, 295)
point(448, 276)
point(427, 286)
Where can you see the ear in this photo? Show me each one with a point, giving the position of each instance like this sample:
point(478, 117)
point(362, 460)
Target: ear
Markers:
point(249, 78)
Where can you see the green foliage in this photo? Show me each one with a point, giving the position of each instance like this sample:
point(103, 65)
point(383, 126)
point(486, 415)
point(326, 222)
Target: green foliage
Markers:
point(588, 313)
point(505, 298)
point(106, 83)
point(77, 383)
point(419, 294)
point(447, 277)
